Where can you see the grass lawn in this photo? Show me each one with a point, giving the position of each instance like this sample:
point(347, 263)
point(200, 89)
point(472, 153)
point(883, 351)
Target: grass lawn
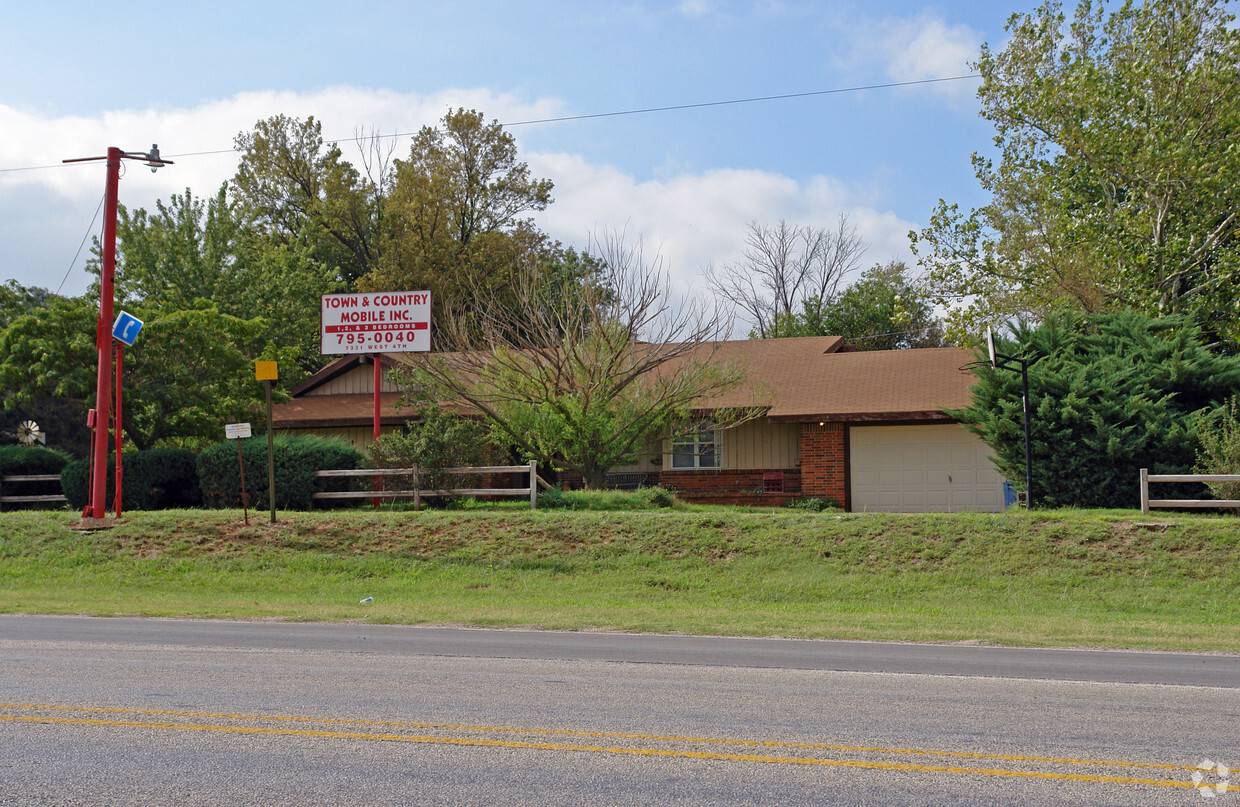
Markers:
point(1063, 578)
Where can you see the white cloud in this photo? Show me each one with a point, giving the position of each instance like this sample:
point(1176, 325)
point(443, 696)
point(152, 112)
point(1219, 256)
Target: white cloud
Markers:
point(695, 220)
point(920, 48)
point(692, 219)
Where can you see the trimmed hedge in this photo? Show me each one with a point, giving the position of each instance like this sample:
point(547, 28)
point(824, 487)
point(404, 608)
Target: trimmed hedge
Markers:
point(296, 461)
point(20, 460)
point(157, 479)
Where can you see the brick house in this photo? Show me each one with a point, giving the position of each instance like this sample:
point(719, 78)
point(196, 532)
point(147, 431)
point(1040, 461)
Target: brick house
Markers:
point(865, 429)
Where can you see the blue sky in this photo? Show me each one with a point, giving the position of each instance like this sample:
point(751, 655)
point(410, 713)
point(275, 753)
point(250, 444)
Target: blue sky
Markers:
point(190, 78)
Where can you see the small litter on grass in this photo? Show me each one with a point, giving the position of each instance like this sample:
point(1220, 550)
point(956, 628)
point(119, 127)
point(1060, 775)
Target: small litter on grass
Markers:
point(366, 600)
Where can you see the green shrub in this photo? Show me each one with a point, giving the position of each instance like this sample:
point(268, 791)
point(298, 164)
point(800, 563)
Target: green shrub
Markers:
point(556, 499)
point(157, 479)
point(296, 461)
point(20, 460)
point(1220, 449)
point(812, 504)
point(640, 499)
point(1110, 394)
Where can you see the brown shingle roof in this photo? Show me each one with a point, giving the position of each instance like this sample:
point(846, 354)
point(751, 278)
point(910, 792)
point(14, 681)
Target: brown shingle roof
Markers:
point(801, 379)
point(333, 411)
point(802, 382)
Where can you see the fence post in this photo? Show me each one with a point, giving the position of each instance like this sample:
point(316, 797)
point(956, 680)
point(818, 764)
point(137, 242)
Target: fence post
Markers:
point(1145, 491)
point(533, 484)
point(417, 490)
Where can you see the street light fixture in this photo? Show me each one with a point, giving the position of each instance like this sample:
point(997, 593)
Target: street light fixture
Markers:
point(103, 341)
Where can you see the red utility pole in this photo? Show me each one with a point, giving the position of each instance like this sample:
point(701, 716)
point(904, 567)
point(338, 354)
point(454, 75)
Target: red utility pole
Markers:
point(103, 336)
point(103, 379)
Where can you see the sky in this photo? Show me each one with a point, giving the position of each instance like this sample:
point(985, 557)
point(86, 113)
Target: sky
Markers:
point(78, 77)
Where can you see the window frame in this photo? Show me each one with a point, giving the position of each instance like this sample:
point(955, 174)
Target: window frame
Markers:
point(696, 441)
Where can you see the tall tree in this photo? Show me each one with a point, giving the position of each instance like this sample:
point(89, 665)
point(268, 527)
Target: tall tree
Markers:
point(303, 192)
point(585, 382)
point(192, 253)
point(883, 310)
point(456, 217)
point(785, 266)
point(1117, 177)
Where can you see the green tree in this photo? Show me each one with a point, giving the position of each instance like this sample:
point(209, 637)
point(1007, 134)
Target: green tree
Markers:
point(883, 310)
point(47, 366)
point(1109, 394)
point(192, 253)
point(190, 372)
point(16, 300)
point(1116, 181)
point(1220, 449)
point(301, 191)
point(582, 384)
point(184, 252)
point(455, 218)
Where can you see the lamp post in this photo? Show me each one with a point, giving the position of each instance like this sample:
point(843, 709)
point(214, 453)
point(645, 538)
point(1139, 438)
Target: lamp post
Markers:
point(103, 341)
point(1016, 363)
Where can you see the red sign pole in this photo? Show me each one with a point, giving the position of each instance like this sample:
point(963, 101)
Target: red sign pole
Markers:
point(378, 384)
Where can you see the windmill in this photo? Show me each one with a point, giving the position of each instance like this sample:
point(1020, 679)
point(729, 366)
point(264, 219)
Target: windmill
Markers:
point(29, 433)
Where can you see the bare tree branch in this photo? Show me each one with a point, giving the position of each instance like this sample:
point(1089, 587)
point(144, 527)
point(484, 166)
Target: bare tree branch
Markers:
point(785, 266)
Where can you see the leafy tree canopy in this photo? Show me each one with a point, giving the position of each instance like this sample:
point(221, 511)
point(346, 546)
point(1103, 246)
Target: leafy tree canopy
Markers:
point(883, 310)
point(1109, 394)
point(456, 214)
point(302, 192)
point(1116, 181)
point(190, 372)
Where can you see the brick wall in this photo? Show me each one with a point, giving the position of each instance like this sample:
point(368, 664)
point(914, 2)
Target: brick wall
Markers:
point(823, 462)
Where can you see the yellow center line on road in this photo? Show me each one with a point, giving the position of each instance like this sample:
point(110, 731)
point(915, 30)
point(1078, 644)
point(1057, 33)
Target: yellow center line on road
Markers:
point(605, 736)
point(619, 750)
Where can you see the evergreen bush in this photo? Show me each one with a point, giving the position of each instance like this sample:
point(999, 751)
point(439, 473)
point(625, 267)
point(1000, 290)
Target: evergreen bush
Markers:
point(157, 479)
point(1109, 394)
point(296, 461)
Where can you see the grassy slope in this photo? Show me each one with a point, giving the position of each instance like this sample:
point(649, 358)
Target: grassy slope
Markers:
point(1060, 578)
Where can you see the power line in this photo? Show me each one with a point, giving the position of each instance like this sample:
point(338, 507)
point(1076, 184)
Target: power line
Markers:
point(89, 228)
point(621, 113)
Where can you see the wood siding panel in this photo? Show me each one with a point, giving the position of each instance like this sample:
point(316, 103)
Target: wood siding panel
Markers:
point(359, 380)
point(759, 444)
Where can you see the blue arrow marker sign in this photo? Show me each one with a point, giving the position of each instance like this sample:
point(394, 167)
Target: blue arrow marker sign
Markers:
point(126, 328)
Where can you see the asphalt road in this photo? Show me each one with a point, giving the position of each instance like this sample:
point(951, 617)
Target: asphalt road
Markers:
point(130, 711)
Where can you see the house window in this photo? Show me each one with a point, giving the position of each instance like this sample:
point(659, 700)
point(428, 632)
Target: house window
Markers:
point(702, 448)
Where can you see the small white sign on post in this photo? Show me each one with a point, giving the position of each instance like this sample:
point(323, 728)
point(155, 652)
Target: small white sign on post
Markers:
point(236, 431)
point(378, 322)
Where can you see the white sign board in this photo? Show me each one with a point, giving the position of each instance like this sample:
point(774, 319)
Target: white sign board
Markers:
point(236, 431)
point(379, 322)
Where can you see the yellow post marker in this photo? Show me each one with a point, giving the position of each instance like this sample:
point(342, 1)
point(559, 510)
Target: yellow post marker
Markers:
point(266, 372)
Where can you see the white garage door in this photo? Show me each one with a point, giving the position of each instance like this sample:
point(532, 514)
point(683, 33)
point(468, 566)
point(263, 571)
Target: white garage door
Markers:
point(920, 469)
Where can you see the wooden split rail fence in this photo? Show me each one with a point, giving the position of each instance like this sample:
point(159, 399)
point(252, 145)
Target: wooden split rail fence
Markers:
point(1147, 502)
point(19, 479)
point(418, 494)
